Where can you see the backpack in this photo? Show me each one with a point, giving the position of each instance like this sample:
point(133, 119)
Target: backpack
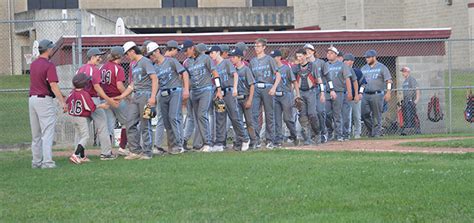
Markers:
point(434, 109)
point(469, 111)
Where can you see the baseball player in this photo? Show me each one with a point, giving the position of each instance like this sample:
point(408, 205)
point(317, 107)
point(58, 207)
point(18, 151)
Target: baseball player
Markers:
point(267, 79)
point(173, 88)
point(112, 81)
point(347, 104)
point(307, 77)
point(320, 105)
point(377, 89)
point(410, 100)
point(202, 73)
point(243, 47)
point(224, 51)
point(144, 87)
point(245, 92)
point(96, 92)
point(354, 109)
point(341, 78)
point(42, 109)
point(229, 81)
point(80, 107)
point(284, 101)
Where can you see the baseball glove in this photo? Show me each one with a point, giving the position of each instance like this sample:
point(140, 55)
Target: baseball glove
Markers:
point(149, 112)
point(299, 103)
point(219, 104)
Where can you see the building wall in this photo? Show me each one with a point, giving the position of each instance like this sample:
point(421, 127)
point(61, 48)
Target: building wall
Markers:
point(5, 63)
point(114, 4)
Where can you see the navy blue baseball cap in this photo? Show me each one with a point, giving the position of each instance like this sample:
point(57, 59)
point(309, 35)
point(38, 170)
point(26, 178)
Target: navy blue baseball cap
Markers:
point(187, 44)
point(349, 56)
point(370, 53)
point(215, 48)
point(236, 52)
point(275, 53)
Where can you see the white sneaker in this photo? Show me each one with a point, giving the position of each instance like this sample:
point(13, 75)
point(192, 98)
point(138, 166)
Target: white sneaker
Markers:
point(206, 149)
point(123, 152)
point(245, 146)
point(218, 149)
point(270, 146)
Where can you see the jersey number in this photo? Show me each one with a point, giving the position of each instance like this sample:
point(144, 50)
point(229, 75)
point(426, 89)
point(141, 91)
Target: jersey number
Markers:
point(76, 107)
point(106, 77)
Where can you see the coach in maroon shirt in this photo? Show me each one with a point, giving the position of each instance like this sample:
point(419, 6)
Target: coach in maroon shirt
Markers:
point(42, 108)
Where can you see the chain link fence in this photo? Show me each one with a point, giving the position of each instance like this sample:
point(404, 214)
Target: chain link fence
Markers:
point(432, 64)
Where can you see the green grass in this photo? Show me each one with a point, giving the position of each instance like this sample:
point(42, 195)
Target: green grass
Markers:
point(458, 143)
point(14, 81)
point(275, 186)
point(14, 118)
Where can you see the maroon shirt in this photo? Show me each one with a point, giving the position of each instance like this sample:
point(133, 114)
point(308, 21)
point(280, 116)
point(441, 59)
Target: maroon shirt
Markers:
point(92, 71)
point(42, 72)
point(79, 103)
point(111, 73)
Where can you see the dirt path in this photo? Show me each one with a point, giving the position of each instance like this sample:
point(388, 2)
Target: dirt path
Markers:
point(382, 145)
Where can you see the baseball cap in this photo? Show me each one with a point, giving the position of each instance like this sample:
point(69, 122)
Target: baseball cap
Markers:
point(215, 48)
point(94, 51)
point(308, 46)
point(151, 47)
point(340, 54)
point(202, 48)
point(224, 47)
point(349, 56)
point(80, 80)
point(236, 52)
point(242, 46)
point(370, 53)
point(116, 51)
point(127, 46)
point(333, 49)
point(405, 69)
point(187, 44)
point(275, 53)
point(45, 44)
point(172, 44)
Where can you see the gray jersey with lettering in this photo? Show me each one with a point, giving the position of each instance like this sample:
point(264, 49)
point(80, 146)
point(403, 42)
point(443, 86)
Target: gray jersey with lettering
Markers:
point(287, 78)
point(376, 77)
point(338, 71)
point(200, 71)
point(408, 85)
point(141, 72)
point(226, 72)
point(264, 69)
point(245, 80)
point(169, 73)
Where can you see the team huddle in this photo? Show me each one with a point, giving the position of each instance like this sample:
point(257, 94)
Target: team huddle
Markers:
point(317, 101)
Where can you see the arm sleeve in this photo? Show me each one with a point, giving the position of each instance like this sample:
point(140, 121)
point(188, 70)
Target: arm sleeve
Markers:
point(179, 68)
point(96, 77)
point(230, 68)
point(149, 68)
point(290, 74)
point(249, 77)
point(326, 72)
point(386, 74)
point(88, 101)
point(120, 74)
point(210, 64)
point(273, 66)
point(52, 75)
point(346, 73)
point(316, 70)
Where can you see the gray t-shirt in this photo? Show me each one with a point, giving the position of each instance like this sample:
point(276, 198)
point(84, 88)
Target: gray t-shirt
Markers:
point(141, 72)
point(226, 72)
point(245, 80)
point(319, 66)
point(264, 69)
point(338, 71)
point(169, 73)
point(200, 71)
point(306, 75)
point(376, 77)
point(409, 84)
point(287, 78)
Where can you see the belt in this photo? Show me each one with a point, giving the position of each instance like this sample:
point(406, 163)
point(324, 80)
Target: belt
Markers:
point(374, 92)
point(265, 85)
point(41, 96)
point(171, 89)
point(240, 97)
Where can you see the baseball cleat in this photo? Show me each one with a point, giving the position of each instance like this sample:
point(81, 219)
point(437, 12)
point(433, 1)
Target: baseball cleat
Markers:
point(217, 149)
point(123, 152)
point(75, 159)
point(245, 146)
point(85, 159)
point(133, 156)
point(108, 157)
point(206, 149)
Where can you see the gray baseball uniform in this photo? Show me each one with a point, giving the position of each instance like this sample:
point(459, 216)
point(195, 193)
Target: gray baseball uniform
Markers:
point(321, 106)
point(372, 101)
point(200, 72)
point(284, 105)
point(226, 72)
point(171, 91)
point(307, 76)
point(264, 70)
point(137, 125)
point(347, 110)
point(246, 80)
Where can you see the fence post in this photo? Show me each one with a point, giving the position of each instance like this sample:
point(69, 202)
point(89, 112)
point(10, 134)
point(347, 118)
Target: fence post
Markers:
point(79, 37)
point(450, 63)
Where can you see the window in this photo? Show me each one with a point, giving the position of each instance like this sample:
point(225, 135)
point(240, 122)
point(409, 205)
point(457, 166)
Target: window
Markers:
point(53, 4)
point(269, 3)
point(178, 3)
